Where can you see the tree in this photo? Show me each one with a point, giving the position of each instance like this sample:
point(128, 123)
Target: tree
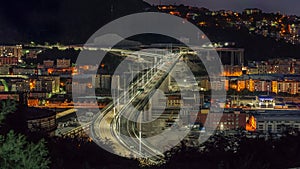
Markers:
point(17, 153)
point(7, 107)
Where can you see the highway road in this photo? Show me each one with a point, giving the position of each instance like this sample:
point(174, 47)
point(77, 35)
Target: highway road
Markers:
point(122, 132)
point(116, 127)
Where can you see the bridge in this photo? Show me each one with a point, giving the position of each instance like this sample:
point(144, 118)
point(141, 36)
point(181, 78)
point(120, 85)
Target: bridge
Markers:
point(124, 134)
point(111, 125)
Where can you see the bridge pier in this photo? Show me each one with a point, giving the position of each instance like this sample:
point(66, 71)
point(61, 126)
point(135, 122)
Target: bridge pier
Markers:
point(147, 114)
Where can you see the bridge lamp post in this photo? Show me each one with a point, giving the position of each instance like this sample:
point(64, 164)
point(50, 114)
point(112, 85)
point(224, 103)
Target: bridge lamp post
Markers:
point(140, 133)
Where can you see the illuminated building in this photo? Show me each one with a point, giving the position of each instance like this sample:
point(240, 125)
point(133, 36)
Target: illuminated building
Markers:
point(48, 63)
point(275, 83)
point(9, 95)
point(294, 29)
point(204, 83)
point(11, 51)
point(252, 70)
point(281, 69)
point(175, 13)
point(80, 88)
point(191, 15)
point(251, 124)
point(55, 82)
point(63, 63)
point(202, 23)
point(105, 81)
point(282, 66)
point(68, 86)
point(8, 61)
point(252, 11)
point(23, 71)
point(278, 121)
point(115, 82)
point(250, 85)
point(290, 87)
point(31, 54)
point(13, 83)
point(244, 101)
point(41, 120)
point(218, 85)
point(38, 95)
point(170, 7)
point(4, 69)
point(233, 86)
point(32, 102)
point(226, 84)
point(231, 119)
point(232, 70)
point(50, 71)
point(96, 81)
point(266, 83)
point(21, 85)
point(174, 101)
point(262, 85)
point(263, 68)
point(241, 85)
point(20, 97)
point(74, 70)
point(275, 87)
point(49, 84)
point(258, 68)
point(266, 102)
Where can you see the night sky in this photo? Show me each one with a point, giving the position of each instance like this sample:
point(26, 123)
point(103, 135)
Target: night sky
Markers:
point(291, 7)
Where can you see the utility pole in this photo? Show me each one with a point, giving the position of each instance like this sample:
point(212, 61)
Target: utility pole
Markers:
point(124, 88)
point(140, 133)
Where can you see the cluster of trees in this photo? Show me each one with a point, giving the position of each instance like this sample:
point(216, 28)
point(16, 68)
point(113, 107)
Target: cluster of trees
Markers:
point(251, 153)
point(16, 152)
